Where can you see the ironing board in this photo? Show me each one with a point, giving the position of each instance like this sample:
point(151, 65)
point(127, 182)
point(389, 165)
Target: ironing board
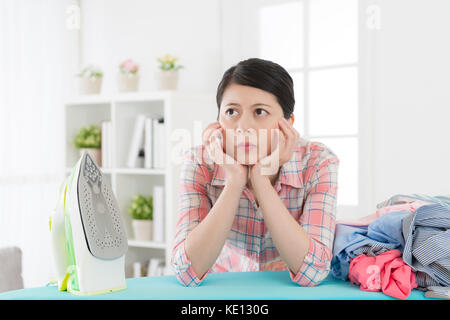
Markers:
point(261, 285)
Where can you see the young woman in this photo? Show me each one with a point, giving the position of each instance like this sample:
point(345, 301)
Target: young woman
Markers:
point(245, 208)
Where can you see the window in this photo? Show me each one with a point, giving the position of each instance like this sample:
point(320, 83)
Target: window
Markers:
point(317, 42)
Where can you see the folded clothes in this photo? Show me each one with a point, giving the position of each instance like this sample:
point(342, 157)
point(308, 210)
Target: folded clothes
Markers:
point(427, 244)
point(383, 234)
point(378, 232)
point(408, 198)
point(438, 292)
point(386, 272)
point(365, 221)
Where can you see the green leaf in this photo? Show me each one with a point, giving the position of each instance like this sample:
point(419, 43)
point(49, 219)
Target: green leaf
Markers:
point(141, 207)
point(88, 137)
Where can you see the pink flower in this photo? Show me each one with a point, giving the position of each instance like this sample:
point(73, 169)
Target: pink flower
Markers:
point(129, 66)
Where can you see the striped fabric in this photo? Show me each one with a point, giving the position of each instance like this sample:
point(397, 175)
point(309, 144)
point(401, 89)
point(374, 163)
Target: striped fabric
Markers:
point(427, 247)
point(438, 292)
point(307, 185)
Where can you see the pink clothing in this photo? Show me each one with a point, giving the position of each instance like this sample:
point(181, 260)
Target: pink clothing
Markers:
point(365, 221)
point(386, 271)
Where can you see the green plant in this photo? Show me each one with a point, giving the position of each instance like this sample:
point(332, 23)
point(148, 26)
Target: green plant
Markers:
point(91, 71)
point(141, 207)
point(88, 137)
point(168, 63)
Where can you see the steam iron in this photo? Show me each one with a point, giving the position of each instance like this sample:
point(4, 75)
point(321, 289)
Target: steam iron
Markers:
point(87, 233)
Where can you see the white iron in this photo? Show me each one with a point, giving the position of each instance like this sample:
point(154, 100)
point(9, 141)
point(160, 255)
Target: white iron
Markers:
point(88, 235)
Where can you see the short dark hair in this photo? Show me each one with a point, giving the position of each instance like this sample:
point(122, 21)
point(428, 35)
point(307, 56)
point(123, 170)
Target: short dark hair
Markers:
point(262, 74)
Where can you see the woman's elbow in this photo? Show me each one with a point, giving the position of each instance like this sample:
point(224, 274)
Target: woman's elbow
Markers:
point(313, 273)
point(186, 275)
point(313, 281)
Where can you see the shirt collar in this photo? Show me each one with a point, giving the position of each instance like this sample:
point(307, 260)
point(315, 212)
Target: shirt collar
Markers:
point(290, 173)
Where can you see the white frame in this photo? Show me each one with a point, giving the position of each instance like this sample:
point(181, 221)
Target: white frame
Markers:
point(168, 103)
point(350, 211)
point(238, 45)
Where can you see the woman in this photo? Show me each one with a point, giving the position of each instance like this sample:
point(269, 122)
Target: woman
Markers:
point(243, 208)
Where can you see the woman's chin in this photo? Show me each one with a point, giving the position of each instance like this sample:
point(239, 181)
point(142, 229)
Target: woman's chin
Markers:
point(247, 158)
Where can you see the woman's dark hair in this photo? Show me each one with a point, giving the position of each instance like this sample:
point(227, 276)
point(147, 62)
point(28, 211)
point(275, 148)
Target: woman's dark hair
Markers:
point(262, 74)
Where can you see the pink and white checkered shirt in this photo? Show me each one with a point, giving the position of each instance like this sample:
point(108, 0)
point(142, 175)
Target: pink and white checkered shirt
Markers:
point(307, 185)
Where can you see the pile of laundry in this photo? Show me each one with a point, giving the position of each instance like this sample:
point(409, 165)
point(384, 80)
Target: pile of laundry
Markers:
point(404, 245)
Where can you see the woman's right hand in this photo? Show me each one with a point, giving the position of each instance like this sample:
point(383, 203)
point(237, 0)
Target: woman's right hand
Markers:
point(213, 139)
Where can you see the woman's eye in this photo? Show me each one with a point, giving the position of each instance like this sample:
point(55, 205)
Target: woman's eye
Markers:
point(227, 111)
point(265, 112)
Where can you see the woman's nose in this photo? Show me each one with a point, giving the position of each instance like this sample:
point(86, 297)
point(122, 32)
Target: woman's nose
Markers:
point(242, 131)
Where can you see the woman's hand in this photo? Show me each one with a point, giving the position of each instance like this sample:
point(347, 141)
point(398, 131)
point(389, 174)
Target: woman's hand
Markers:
point(213, 140)
point(285, 141)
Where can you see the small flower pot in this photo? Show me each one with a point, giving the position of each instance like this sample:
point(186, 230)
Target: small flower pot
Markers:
point(90, 85)
point(127, 82)
point(167, 79)
point(142, 229)
point(95, 153)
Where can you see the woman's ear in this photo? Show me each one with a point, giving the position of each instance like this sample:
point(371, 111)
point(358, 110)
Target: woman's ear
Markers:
point(291, 119)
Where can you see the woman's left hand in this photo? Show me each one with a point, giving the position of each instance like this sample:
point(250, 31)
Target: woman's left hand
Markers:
point(286, 140)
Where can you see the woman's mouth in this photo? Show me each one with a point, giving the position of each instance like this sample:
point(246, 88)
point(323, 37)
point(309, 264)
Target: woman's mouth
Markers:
point(246, 146)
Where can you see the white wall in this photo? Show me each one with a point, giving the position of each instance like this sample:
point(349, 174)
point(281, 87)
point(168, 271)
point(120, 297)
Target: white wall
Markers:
point(410, 92)
point(114, 30)
point(406, 132)
point(411, 125)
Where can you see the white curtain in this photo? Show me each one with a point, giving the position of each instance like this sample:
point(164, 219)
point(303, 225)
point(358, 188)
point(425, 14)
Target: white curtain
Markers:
point(32, 62)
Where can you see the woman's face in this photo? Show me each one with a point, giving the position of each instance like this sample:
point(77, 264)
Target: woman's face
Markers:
point(249, 115)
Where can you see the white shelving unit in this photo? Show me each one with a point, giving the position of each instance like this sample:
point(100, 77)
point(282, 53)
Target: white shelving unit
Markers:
point(180, 111)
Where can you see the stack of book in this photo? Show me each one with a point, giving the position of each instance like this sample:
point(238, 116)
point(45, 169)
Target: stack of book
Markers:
point(106, 141)
point(155, 267)
point(148, 143)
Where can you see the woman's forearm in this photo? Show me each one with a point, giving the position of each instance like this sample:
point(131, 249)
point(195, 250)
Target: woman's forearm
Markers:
point(205, 242)
point(289, 237)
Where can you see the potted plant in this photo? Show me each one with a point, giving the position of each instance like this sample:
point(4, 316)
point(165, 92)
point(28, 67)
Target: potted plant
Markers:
point(167, 75)
point(128, 76)
point(90, 79)
point(141, 210)
point(89, 138)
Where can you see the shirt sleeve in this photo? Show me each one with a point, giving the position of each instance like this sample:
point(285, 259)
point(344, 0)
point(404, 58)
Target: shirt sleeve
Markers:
point(194, 204)
point(319, 220)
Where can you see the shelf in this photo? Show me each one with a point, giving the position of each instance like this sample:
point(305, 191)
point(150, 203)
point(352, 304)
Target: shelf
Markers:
point(146, 244)
point(141, 96)
point(104, 170)
point(156, 171)
point(137, 171)
point(88, 99)
point(180, 110)
point(119, 97)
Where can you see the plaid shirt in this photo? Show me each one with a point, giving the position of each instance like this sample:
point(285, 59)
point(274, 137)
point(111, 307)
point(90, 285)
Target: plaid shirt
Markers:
point(307, 185)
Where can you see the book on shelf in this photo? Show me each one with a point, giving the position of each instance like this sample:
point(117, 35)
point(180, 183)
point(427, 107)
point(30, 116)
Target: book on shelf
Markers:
point(137, 270)
point(156, 267)
point(160, 142)
point(158, 213)
point(148, 137)
point(110, 144)
point(106, 143)
point(136, 141)
point(155, 143)
point(148, 163)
